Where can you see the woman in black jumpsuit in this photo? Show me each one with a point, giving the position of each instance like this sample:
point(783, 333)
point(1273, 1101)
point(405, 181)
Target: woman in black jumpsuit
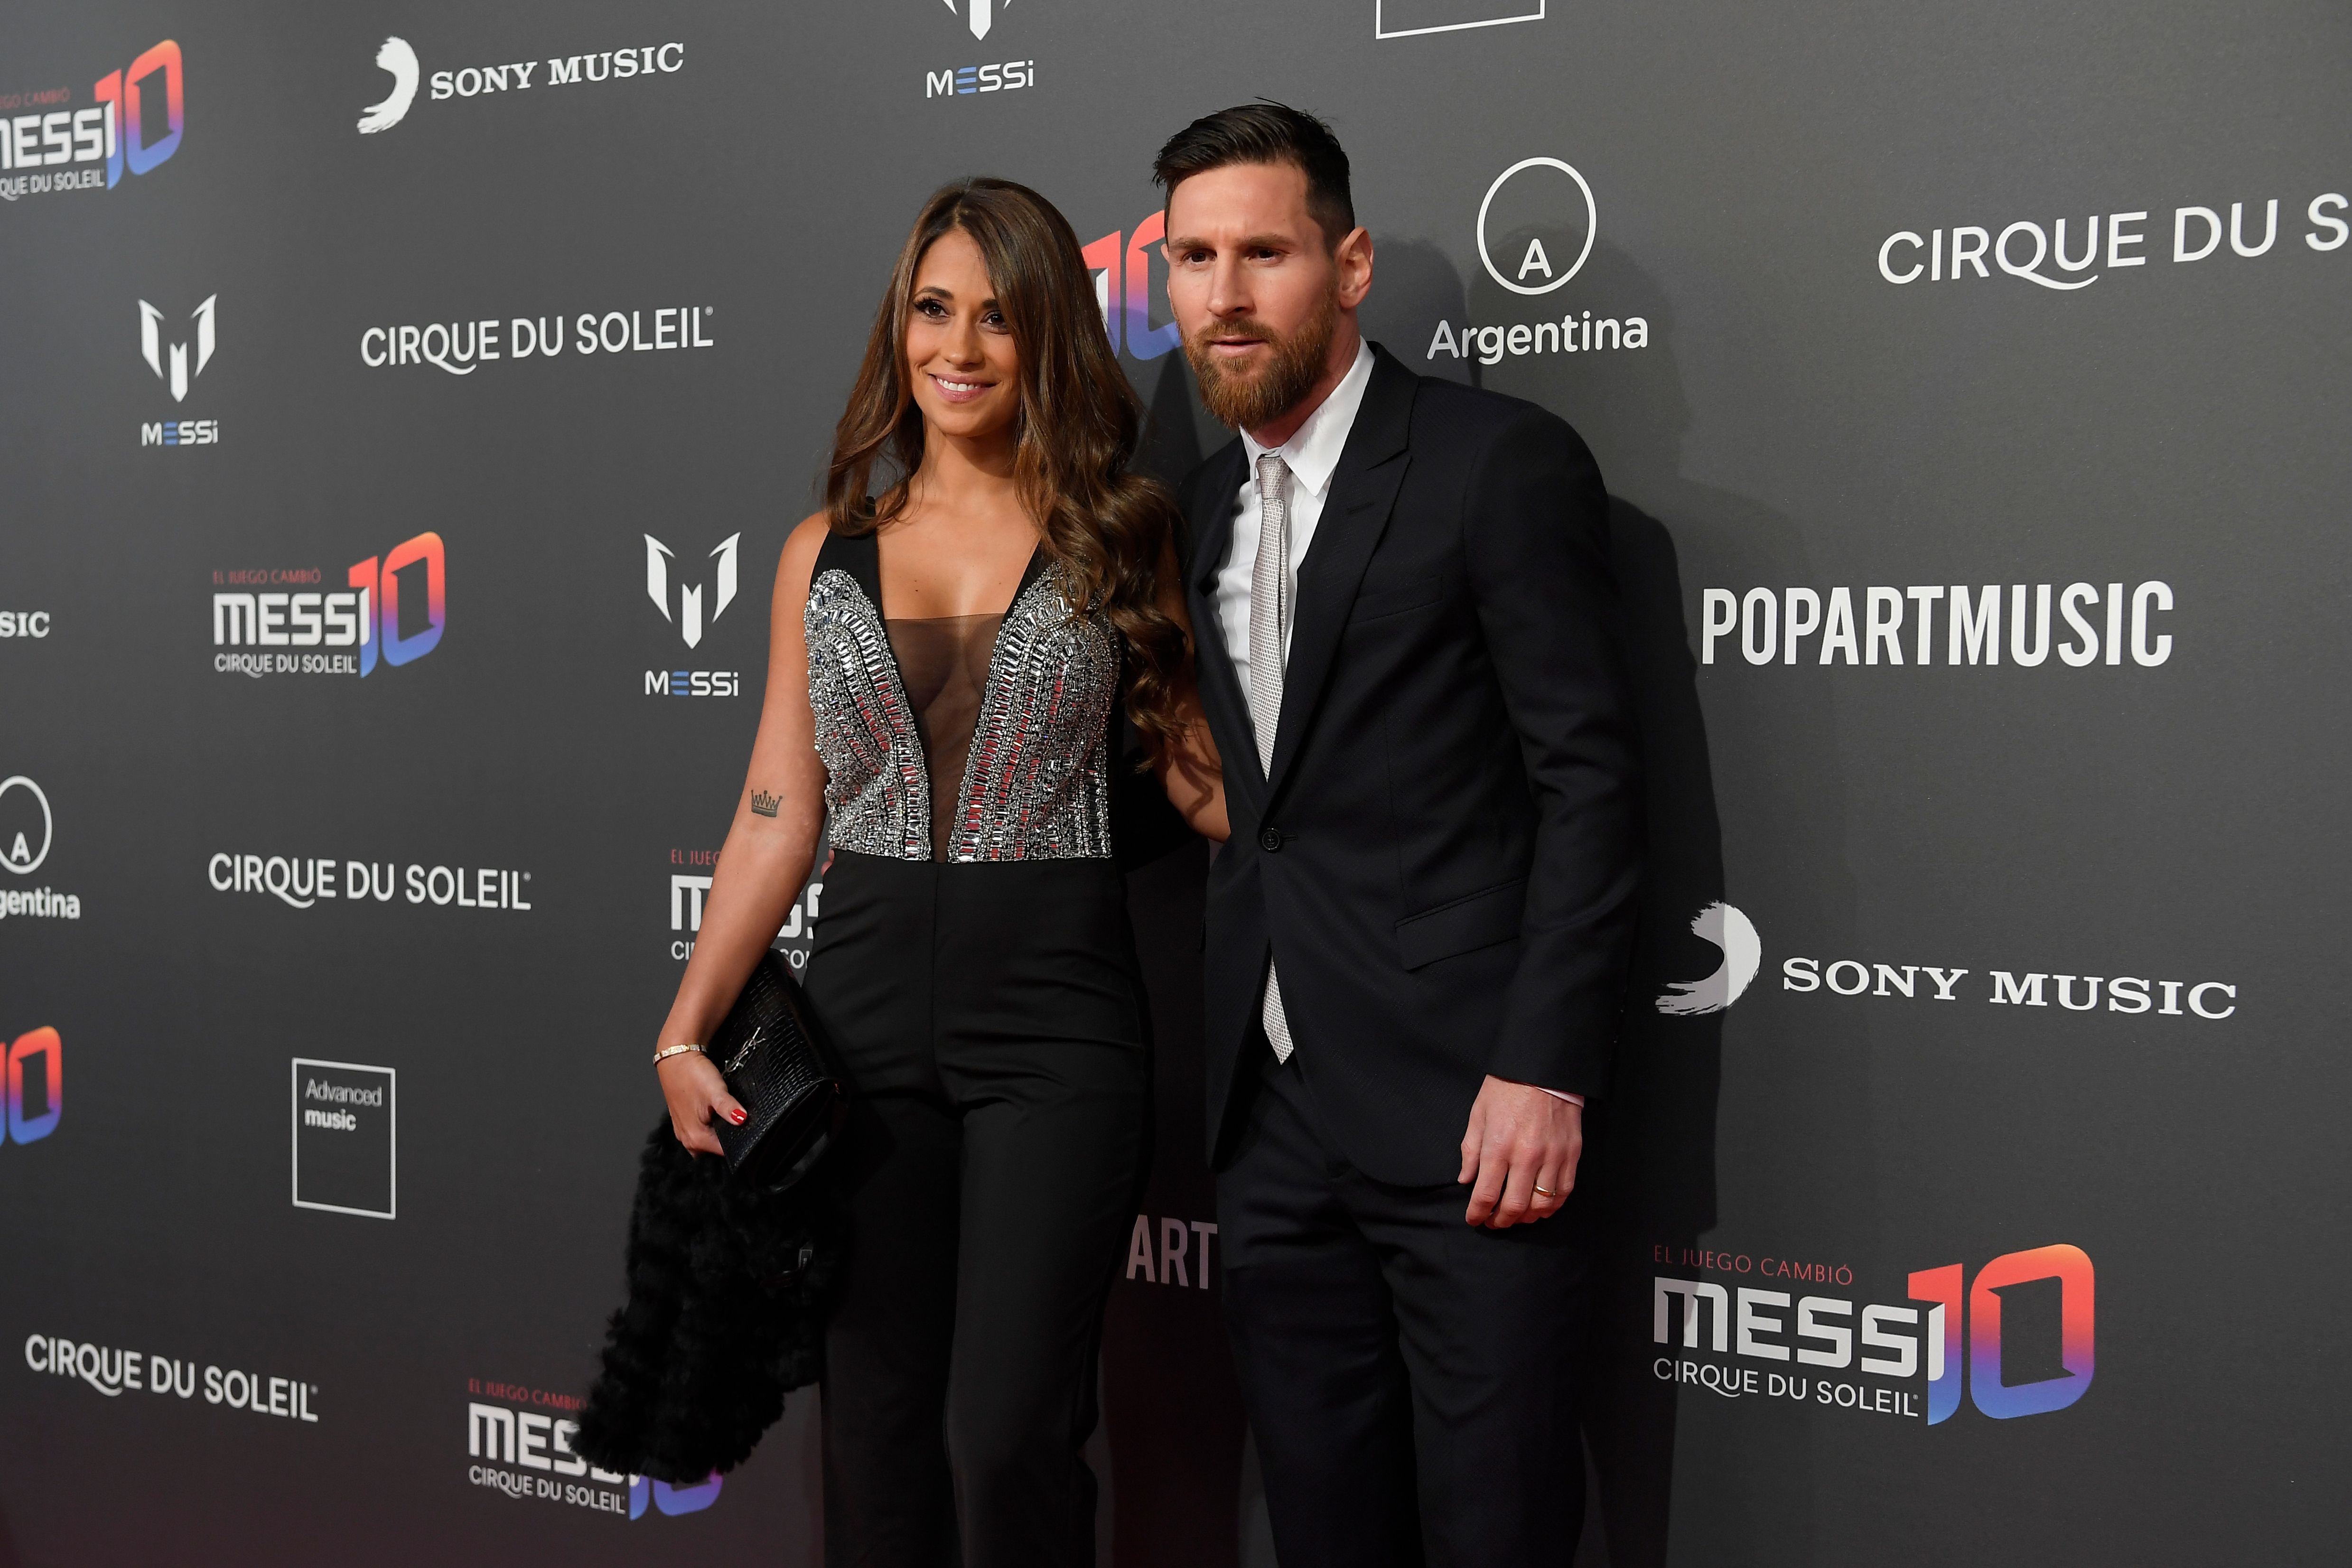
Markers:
point(974, 969)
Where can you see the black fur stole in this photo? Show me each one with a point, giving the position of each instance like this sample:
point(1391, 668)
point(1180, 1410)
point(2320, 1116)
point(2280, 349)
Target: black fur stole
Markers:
point(729, 1289)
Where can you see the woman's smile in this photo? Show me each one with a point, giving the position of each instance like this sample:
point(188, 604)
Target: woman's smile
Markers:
point(959, 390)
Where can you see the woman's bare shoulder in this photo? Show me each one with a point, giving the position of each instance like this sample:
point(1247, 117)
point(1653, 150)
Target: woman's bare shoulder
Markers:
point(797, 565)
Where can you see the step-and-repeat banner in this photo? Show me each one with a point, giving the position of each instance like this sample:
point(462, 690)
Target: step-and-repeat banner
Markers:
point(402, 407)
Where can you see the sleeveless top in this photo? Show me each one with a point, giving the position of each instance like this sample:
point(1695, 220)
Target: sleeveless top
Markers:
point(1012, 714)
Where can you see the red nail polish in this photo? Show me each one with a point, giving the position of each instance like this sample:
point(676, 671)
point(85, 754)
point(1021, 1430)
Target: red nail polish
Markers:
point(738, 1117)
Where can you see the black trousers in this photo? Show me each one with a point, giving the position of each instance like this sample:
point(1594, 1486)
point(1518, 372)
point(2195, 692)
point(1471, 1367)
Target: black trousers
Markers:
point(991, 1018)
point(1412, 1381)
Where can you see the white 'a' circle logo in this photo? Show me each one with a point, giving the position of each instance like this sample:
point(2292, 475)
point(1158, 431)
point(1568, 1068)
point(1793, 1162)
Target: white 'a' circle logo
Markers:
point(19, 856)
point(1536, 260)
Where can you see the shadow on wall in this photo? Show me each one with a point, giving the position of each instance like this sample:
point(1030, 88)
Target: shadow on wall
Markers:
point(1659, 1154)
point(1651, 1149)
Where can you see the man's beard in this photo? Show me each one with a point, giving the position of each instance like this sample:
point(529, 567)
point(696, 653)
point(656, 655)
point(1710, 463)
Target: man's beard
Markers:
point(1249, 401)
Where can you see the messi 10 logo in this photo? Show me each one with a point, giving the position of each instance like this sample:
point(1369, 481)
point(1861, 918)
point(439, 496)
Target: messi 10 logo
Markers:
point(379, 616)
point(38, 1099)
point(112, 130)
point(1126, 312)
point(1895, 1343)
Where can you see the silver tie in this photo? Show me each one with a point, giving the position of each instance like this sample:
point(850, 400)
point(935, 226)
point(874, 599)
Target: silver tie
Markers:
point(1269, 623)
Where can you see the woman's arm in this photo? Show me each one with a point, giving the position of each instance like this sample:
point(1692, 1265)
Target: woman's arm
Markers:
point(1189, 770)
point(765, 861)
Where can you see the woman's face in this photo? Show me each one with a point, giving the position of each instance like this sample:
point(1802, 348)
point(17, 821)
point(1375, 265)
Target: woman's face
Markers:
point(961, 357)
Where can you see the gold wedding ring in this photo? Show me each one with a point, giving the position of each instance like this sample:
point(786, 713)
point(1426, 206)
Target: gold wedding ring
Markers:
point(1547, 1192)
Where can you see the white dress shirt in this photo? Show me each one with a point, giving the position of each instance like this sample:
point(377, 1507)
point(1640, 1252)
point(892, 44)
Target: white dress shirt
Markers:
point(1312, 456)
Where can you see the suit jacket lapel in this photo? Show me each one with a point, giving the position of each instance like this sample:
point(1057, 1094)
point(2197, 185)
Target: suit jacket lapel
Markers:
point(1212, 517)
point(1371, 467)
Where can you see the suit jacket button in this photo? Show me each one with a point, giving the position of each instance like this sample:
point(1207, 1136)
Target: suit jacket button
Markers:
point(1268, 839)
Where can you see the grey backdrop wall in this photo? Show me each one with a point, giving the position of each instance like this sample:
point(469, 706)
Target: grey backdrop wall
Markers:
point(394, 439)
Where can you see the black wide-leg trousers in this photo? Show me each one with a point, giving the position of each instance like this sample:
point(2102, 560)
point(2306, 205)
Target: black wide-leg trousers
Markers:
point(1412, 1381)
point(991, 1019)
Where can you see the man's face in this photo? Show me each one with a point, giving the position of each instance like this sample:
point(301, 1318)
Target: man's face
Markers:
point(1256, 288)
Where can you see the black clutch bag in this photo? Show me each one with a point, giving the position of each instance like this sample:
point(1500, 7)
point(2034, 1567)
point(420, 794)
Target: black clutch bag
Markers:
point(772, 1057)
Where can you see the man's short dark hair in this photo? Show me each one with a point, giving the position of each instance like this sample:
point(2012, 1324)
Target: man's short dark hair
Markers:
point(1266, 133)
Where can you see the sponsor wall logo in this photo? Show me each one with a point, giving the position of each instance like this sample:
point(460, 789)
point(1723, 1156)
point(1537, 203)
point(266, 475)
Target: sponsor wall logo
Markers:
point(1908, 1360)
point(346, 1138)
point(1412, 18)
point(27, 829)
point(1534, 232)
point(2106, 625)
point(24, 623)
point(687, 888)
point(2048, 258)
point(397, 59)
point(134, 122)
point(526, 1454)
point(967, 81)
point(116, 1372)
point(391, 608)
point(689, 619)
point(461, 348)
point(1733, 935)
point(1121, 263)
point(1183, 1251)
point(169, 361)
point(35, 1088)
point(303, 881)
point(1742, 949)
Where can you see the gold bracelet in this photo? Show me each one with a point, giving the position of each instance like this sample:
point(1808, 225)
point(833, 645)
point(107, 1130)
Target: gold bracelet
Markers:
point(668, 1052)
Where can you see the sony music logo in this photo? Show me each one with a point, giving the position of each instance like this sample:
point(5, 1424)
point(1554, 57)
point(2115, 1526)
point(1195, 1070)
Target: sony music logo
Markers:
point(397, 59)
point(1735, 938)
point(460, 348)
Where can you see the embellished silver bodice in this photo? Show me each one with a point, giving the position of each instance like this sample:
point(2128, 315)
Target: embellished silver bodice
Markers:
point(1035, 783)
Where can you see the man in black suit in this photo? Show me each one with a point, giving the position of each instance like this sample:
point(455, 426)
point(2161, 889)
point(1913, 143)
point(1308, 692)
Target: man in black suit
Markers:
point(1418, 933)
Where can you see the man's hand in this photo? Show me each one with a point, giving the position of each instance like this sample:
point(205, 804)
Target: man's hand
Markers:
point(1519, 1138)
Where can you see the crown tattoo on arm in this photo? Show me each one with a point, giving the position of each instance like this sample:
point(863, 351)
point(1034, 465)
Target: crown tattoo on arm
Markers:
point(763, 804)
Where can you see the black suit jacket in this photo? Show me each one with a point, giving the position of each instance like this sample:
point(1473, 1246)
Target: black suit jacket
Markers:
point(1443, 858)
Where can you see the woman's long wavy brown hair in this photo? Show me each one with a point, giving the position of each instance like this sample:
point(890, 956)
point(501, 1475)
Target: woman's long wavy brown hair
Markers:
point(1079, 422)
